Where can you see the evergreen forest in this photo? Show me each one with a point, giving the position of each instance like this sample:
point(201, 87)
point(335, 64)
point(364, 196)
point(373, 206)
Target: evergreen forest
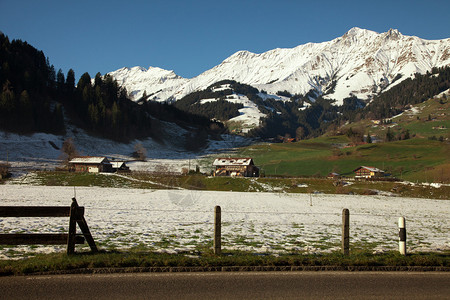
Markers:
point(36, 98)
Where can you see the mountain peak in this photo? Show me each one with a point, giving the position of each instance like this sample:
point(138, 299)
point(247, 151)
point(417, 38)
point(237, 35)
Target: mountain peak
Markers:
point(361, 63)
point(393, 34)
point(356, 31)
point(241, 54)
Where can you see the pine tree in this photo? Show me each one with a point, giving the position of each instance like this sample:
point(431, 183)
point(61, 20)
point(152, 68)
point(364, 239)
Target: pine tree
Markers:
point(98, 82)
point(26, 111)
point(70, 82)
point(60, 82)
point(115, 114)
point(7, 100)
point(85, 81)
point(389, 135)
point(407, 135)
point(51, 77)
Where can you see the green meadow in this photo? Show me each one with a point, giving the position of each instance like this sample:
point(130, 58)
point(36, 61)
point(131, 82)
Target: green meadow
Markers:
point(414, 159)
point(424, 157)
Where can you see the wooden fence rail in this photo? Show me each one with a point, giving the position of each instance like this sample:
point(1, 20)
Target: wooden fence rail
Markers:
point(75, 214)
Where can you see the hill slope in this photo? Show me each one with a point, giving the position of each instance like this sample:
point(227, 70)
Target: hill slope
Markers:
point(418, 149)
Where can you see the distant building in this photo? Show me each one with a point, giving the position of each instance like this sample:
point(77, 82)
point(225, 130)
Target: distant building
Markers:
point(368, 172)
point(333, 175)
point(90, 164)
point(119, 166)
point(243, 167)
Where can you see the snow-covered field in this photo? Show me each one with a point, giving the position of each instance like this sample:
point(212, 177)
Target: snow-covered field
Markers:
point(183, 220)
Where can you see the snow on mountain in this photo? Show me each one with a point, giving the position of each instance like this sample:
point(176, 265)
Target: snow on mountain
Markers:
point(361, 63)
point(152, 81)
point(249, 115)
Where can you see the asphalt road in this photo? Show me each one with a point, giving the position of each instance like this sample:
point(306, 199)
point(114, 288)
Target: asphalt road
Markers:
point(239, 285)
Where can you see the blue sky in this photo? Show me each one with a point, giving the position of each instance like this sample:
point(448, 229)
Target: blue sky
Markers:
point(191, 37)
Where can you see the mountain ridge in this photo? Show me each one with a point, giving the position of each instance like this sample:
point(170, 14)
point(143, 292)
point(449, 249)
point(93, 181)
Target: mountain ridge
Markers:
point(360, 63)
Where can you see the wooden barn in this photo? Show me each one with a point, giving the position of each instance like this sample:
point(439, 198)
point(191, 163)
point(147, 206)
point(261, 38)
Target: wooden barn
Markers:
point(333, 175)
point(90, 164)
point(368, 172)
point(242, 167)
point(120, 166)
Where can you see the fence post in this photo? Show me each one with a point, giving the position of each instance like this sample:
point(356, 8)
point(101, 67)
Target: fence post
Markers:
point(217, 230)
point(345, 231)
point(402, 235)
point(81, 221)
point(72, 227)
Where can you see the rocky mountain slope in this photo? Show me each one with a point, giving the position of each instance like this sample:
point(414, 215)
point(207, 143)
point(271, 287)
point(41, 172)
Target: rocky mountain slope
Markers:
point(360, 63)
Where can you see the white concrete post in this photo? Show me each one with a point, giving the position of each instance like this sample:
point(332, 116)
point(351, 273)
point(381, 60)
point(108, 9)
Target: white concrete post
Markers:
point(402, 236)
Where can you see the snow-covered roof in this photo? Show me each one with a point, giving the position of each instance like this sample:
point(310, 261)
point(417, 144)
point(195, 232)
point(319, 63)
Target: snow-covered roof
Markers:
point(372, 169)
point(89, 160)
point(232, 162)
point(118, 164)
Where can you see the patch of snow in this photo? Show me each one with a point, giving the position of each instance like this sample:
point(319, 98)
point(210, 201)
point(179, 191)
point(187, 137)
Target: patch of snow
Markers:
point(223, 87)
point(250, 114)
point(433, 184)
point(203, 101)
point(444, 93)
point(275, 97)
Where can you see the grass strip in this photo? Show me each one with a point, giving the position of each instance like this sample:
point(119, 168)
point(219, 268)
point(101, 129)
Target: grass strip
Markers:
point(58, 262)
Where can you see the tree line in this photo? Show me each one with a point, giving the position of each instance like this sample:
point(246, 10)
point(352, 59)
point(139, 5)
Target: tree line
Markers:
point(27, 87)
point(409, 92)
point(35, 98)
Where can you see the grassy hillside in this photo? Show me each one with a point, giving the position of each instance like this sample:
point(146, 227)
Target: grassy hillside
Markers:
point(425, 120)
point(413, 159)
point(424, 157)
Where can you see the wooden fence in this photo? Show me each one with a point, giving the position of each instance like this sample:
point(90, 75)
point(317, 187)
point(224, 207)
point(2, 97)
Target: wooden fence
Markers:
point(75, 214)
point(345, 232)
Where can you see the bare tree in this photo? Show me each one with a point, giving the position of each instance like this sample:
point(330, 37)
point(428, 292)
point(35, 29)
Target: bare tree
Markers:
point(140, 152)
point(68, 151)
point(4, 170)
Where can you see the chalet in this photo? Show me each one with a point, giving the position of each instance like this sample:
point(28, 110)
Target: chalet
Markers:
point(333, 175)
point(368, 172)
point(119, 166)
point(91, 164)
point(243, 167)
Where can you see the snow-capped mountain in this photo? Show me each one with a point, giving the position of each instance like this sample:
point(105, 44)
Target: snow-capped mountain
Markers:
point(152, 81)
point(361, 63)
